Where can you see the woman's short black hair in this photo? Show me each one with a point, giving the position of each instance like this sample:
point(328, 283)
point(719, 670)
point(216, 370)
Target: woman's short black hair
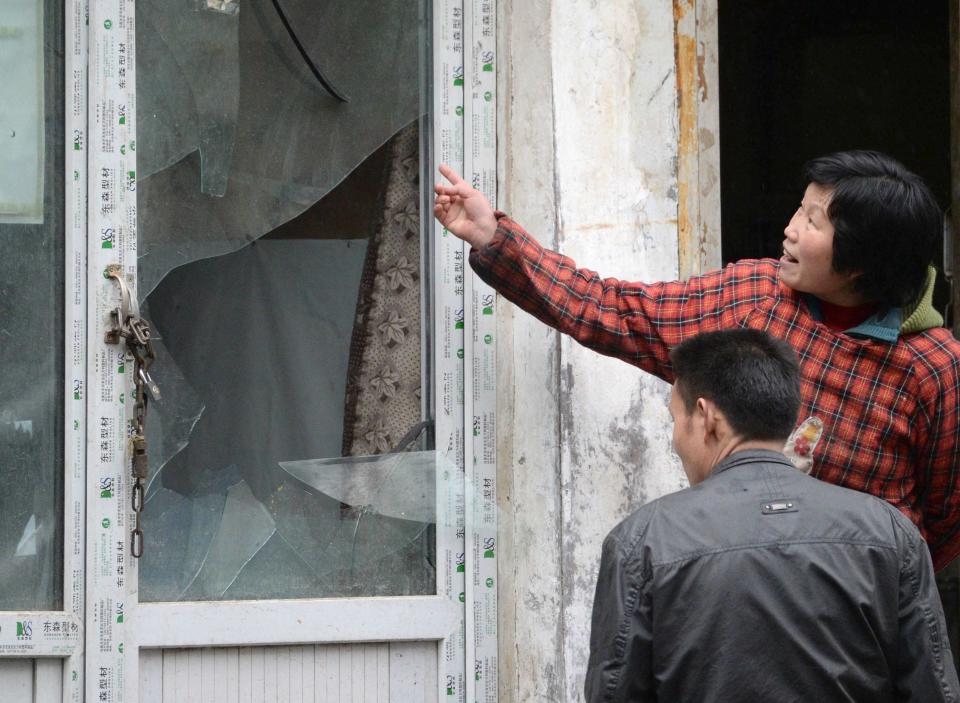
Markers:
point(752, 377)
point(887, 224)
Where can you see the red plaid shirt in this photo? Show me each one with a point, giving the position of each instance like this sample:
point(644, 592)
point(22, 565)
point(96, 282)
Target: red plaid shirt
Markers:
point(890, 411)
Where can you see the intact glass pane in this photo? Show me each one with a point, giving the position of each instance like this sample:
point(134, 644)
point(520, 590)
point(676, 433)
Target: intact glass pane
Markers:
point(31, 305)
point(281, 269)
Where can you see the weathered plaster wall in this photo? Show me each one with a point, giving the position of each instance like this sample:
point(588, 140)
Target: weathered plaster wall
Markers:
point(588, 158)
point(528, 395)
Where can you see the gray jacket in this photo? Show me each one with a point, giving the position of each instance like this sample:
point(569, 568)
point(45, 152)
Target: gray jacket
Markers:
point(763, 584)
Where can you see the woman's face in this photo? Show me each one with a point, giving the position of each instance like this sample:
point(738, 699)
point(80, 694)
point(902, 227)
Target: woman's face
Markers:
point(807, 261)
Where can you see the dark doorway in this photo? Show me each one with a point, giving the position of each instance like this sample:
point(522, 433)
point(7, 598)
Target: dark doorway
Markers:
point(801, 79)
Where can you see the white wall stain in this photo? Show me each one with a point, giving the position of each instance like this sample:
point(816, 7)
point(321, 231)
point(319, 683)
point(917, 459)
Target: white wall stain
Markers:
point(530, 607)
point(588, 165)
point(615, 154)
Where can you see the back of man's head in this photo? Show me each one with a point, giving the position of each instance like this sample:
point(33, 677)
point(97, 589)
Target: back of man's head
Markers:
point(752, 378)
point(886, 222)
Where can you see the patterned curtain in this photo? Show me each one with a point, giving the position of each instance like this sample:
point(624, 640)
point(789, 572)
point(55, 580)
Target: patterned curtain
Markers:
point(383, 377)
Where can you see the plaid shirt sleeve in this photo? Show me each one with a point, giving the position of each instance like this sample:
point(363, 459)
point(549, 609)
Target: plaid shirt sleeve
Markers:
point(636, 322)
point(938, 449)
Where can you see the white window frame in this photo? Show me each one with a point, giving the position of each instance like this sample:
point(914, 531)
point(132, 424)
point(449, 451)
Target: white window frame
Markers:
point(22, 633)
point(113, 643)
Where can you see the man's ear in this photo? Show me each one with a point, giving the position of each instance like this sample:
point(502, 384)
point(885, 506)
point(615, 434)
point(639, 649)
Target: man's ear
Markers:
point(710, 416)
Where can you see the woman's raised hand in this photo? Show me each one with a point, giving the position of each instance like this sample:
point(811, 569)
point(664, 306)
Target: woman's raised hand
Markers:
point(463, 210)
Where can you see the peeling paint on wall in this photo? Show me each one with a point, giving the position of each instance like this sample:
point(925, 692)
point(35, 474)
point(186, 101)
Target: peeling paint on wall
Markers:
point(695, 49)
point(530, 607)
point(616, 142)
point(598, 176)
point(685, 50)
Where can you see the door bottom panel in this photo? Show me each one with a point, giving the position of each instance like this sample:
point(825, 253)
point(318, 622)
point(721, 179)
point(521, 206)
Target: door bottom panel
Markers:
point(388, 672)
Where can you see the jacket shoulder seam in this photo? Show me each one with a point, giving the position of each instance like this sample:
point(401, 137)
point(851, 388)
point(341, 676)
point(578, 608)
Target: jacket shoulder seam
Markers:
point(776, 543)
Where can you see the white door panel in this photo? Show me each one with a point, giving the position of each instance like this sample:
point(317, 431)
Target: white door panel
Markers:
point(399, 672)
point(273, 238)
point(16, 679)
point(42, 394)
point(31, 680)
point(307, 312)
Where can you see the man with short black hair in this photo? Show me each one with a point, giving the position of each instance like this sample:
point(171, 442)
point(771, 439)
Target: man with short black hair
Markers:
point(760, 583)
point(880, 376)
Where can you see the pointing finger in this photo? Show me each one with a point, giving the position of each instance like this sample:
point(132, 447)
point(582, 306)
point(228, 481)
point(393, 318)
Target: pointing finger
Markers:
point(450, 175)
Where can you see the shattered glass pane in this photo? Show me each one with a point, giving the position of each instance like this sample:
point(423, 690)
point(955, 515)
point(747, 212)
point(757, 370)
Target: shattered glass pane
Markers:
point(31, 338)
point(321, 533)
point(255, 350)
point(395, 485)
point(171, 422)
point(280, 268)
point(236, 136)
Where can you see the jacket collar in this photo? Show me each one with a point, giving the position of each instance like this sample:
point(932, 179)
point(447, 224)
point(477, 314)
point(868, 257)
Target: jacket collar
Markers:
point(922, 315)
point(888, 323)
point(883, 325)
point(751, 456)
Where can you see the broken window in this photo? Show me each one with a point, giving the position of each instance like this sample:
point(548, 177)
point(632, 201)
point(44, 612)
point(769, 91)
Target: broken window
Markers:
point(31, 307)
point(282, 268)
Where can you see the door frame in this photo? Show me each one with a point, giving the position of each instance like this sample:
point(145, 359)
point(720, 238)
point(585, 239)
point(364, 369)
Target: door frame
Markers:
point(696, 45)
point(118, 626)
point(55, 638)
point(954, 163)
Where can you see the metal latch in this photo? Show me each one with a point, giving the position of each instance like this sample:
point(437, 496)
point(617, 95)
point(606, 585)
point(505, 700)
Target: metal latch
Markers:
point(127, 325)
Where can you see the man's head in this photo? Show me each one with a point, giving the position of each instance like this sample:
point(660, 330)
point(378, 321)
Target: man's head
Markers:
point(732, 388)
point(866, 230)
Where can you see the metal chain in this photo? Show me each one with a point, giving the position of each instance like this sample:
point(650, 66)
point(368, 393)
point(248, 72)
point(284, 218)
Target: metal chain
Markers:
point(135, 332)
point(143, 355)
